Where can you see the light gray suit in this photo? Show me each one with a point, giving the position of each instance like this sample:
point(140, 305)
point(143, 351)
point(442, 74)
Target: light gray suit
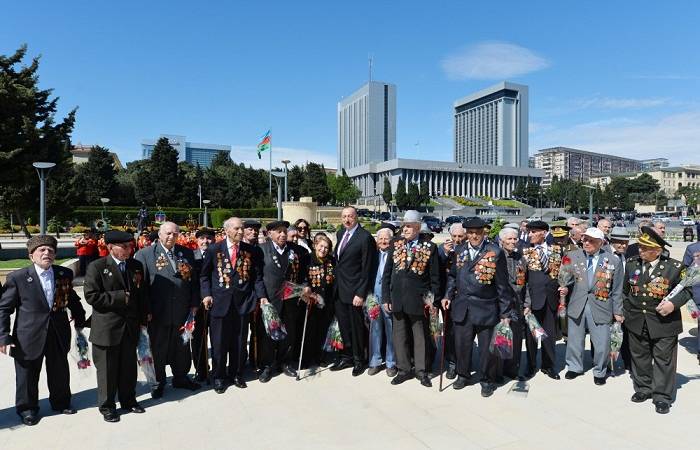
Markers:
point(586, 311)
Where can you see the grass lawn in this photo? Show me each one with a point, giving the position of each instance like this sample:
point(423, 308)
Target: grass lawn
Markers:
point(19, 263)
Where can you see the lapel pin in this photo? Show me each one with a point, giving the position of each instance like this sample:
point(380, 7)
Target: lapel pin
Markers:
point(30, 279)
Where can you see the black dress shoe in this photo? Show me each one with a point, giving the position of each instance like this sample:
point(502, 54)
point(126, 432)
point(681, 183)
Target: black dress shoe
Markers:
point(425, 381)
point(200, 377)
point(374, 370)
point(530, 373)
point(599, 381)
point(342, 364)
point(570, 375)
point(400, 378)
point(157, 392)
point(358, 370)
point(136, 409)
point(265, 375)
point(289, 371)
point(460, 383)
point(110, 415)
point(219, 386)
point(29, 418)
point(451, 373)
point(186, 383)
point(551, 374)
point(662, 407)
point(391, 372)
point(67, 411)
point(239, 382)
point(487, 389)
point(640, 397)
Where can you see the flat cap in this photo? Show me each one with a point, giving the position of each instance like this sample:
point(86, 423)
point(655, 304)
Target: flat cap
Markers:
point(204, 232)
point(37, 241)
point(474, 222)
point(252, 224)
point(537, 225)
point(277, 224)
point(619, 234)
point(117, 237)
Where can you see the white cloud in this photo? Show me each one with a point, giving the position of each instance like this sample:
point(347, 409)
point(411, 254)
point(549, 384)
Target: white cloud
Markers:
point(676, 137)
point(492, 60)
point(248, 156)
point(621, 103)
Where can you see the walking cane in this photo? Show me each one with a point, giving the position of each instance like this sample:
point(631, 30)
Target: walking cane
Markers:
point(255, 335)
point(205, 344)
point(303, 336)
point(445, 317)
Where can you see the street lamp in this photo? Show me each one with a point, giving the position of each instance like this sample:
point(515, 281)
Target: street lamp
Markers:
point(43, 169)
point(206, 219)
point(286, 186)
point(590, 202)
point(278, 175)
point(104, 201)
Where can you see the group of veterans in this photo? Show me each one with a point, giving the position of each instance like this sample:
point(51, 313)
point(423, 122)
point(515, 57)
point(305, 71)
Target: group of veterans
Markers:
point(226, 283)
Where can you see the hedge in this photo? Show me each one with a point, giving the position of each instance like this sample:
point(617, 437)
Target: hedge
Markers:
point(218, 216)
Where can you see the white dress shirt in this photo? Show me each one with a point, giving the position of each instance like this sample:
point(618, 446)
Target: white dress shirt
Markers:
point(47, 283)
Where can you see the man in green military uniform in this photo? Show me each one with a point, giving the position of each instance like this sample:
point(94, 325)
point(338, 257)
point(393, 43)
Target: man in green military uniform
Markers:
point(652, 320)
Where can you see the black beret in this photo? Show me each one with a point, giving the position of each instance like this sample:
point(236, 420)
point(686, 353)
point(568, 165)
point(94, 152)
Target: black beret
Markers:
point(474, 222)
point(537, 225)
point(252, 224)
point(118, 237)
point(388, 226)
point(204, 232)
point(276, 224)
point(35, 242)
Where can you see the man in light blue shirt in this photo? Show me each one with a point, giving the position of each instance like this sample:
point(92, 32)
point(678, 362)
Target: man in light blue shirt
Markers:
point(381, 327)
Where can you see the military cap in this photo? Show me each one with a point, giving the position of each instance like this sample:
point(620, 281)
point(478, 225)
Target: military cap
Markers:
point(649, 238)
point(252, 224)
point(35, 242)
point(117, 237)
point(537, 225)
point(204, 232)
point(474, 222)
point(559, 229)
point(277, 224)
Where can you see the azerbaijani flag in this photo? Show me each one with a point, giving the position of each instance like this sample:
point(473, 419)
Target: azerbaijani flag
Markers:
point(264, 144)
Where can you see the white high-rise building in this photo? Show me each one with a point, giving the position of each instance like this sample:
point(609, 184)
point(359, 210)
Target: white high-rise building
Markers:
point(491, 126)
point(367, 126)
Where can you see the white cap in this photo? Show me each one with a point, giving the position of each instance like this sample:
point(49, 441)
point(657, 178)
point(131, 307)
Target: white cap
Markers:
point(595, 233)
point(411, 216)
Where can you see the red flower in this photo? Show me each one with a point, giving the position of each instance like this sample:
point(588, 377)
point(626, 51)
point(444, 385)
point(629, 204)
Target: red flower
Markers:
point(566, 260)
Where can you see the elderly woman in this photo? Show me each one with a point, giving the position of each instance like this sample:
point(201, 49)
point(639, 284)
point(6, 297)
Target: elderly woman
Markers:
point(517, 272)
point(321, 280)
point(304, 235)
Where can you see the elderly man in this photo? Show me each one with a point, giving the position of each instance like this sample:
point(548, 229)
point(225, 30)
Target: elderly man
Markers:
point(633, 249)
point(116, 289)
point(619, 241)
point(381, 328)
point(173, 290)
point(40, 295)
point(596, 298)
point(251, 235)
point(200, 345)
point(524, 234)
point(353, 255)
point(411, 277)
point(691, 258)
point(653, 321)
point(231, 282)
point(478, 295)
point(604, 225)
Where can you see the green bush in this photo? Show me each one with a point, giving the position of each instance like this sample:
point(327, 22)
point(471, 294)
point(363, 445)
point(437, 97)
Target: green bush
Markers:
point(218, 216)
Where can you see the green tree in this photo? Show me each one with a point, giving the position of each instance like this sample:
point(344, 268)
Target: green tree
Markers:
point(164, 172)
point(424, 193)
point(343, 190)
point(138, 175)
point(97, 176)
point(295, 179)
point(413, 196)
point(400, 196)
point(386, 194)
point(315, 184)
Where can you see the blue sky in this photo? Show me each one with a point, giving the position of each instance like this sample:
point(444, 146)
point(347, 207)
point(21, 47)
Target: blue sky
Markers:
point(617, 77)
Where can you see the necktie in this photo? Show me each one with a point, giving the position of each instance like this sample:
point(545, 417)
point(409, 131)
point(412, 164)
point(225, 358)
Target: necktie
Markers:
point(48, 291)
point(543, 256)
point(647, 269)
point(169, 253)
point(590, 269)
point(233, 251)
point(122, 267)
point(343, 242)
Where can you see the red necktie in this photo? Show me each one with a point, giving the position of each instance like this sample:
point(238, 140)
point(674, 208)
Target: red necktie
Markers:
point(233, 251)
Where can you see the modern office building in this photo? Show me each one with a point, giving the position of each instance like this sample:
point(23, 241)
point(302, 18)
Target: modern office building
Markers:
point(367, 125)
point(81, 154)
point(580, 165)
point(654, 164)
point(192, 152)
point(491, 126)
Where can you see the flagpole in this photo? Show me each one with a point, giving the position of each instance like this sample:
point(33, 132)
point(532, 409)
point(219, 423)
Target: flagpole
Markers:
point(269, 134)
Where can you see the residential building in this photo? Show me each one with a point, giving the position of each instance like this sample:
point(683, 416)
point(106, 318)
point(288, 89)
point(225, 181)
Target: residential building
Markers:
point(81, 153)
point(580, 165)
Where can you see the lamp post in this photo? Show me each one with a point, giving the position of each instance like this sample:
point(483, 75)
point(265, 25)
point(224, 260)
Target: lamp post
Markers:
point(286, 185)
point(104, 201)
point(278, 175)
point(590, 202)
point(206, 219)
point(43, 169)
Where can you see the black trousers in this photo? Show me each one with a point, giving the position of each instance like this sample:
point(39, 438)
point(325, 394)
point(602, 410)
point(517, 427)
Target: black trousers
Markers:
point(654, 365)
point(168, 349)
point(409, 328)
point(465, 332)
point(548, 319)
point(200, 344)
point(625, 348)
point(228, 336)
point(27, 374)
point(511, 367)
point(116, 372)
point(316, 330)
point(277, 353)
point(351, 321)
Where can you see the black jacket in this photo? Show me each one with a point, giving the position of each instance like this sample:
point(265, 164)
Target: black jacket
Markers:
point(292, 265)
point(352, 267)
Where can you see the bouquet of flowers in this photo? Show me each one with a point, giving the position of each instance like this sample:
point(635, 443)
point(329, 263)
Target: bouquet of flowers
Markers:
point(291, 290)
point(535, 328)
point(433, 315)
point(81, 344)
point(615, 341)
point(693, 309)
point(502, 341)
point(372, 307)
point(187, 330)
point(145, 357)
point(334, 341)
point(692, 277)
point(316, 299)
point(273, 324)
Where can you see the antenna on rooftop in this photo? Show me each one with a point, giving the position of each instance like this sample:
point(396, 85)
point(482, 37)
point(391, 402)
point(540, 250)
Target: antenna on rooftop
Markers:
point(370, 67)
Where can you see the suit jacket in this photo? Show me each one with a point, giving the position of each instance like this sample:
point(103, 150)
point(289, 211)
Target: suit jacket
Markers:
point(352, 274)
point(410, 275)
point(24, 296)
point(484, 301)
point(172, 292)
point(542, 289)
point(112, 314)
point(292, 265)
point(642, 293)
point(603, 302)
point(517, 279)
point(234, 284)
point(687, 262)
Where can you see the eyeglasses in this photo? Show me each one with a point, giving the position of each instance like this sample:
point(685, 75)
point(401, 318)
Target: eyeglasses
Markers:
point(302, 228)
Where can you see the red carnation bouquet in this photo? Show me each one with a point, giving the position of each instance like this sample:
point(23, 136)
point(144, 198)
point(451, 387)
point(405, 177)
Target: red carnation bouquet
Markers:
point(334, 341)
point(565, 278)
point(502, 341)
point(81, 344)
point(273, 324)
point(372, 307)
point(291, 290)
point(535, 328)
point(145, 356)
point(187, 330)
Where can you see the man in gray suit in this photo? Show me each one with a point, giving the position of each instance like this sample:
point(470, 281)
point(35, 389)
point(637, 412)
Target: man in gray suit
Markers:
point(596, 298)
point(173, 289)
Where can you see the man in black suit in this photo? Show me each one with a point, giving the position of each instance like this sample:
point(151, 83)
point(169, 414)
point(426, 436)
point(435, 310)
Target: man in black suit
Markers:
point(173, 291)
point(283, 261)
point(251, 234)
point(116, 288)
point(231, 281)
point(479, 297)
point(354, 254)
point(411, 275)
point(204, 236)
point(39, 295)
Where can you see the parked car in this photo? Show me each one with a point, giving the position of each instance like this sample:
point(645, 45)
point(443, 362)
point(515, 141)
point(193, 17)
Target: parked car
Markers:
point(433, 223)
point(687, 221)
point(384, 216)
point(454, 219)
point(660, 217)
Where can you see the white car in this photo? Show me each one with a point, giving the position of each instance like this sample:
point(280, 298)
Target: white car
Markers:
point(660, 218)
point(687, 222)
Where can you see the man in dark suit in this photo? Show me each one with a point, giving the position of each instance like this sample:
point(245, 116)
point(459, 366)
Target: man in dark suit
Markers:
point(283, 261)
point(39, 296)
point(173, 291)
point(200, 344)
point(116, 289)
point(411, 275)
point(231, 281)
point(478, 296)
point(354, 254)
point(251, 234)
point(653, 321)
